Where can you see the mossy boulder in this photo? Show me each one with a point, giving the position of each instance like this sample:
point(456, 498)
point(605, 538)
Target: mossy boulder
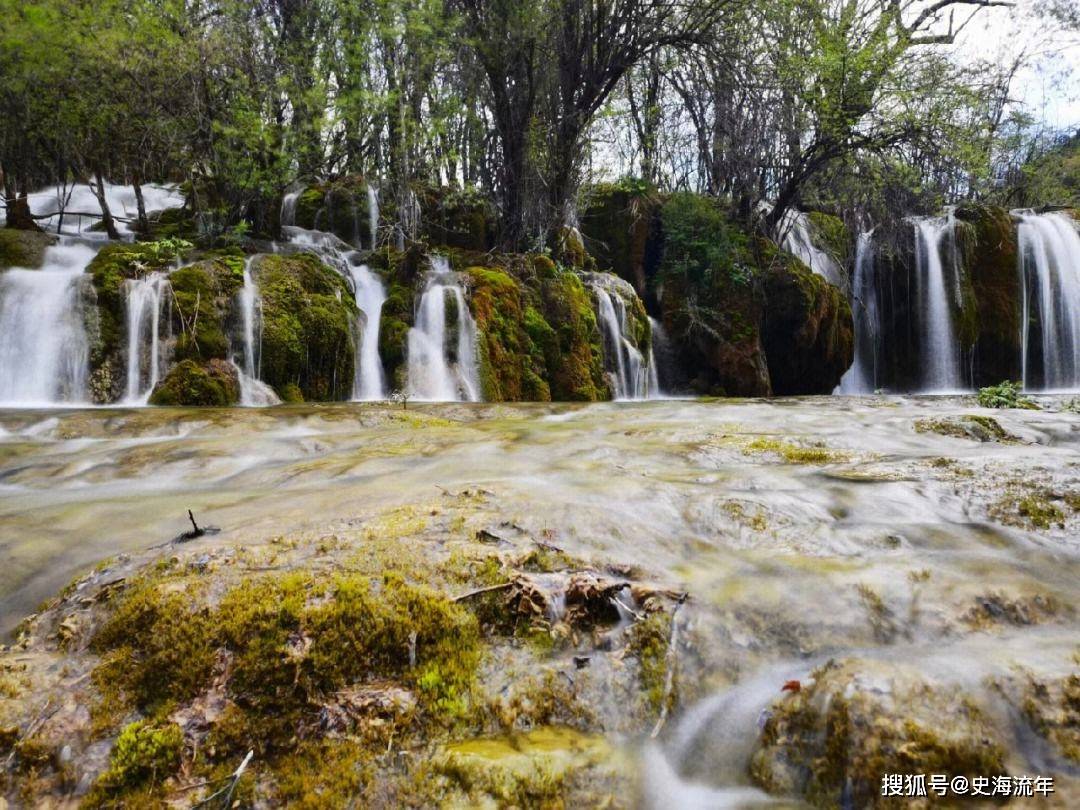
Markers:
point(211, 383)
point(989, 251)
point(309, 319)
point(340, 206)
point(22, 248)
point(807, 329)
point(831, 741)
point(710, 299)
point(204, 302)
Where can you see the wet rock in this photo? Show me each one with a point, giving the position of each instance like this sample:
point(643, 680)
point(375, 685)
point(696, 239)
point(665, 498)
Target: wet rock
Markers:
point(996, 608)
point(972, 426)
point(831, 741)
point(23, 248)
point(190, 383)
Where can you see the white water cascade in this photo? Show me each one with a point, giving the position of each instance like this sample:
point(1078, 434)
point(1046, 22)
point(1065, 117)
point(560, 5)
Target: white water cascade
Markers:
point(373, 215)
point(441, 369)
point(44, 349)
point(370, 296)
point(370, 381)
point(862, 377)
point(633, 374)
point(797, 237)
point(940, 350)
point(1049, 259)
point(82, 210)
point(288, 206)
point(147, 299)
point(253, 391)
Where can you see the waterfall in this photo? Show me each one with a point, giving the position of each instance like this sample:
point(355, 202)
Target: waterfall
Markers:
point(145, 299)
point(440, 370)
point(373, 215)
point(288, 206)
point(797, 238)
point(44, 349)
point(633, 375)
point(370, 383)
point(370, 295)
point(1049, 257)
point(79, 199)
point(862, 377)
point(253, 391)
point(939, 349)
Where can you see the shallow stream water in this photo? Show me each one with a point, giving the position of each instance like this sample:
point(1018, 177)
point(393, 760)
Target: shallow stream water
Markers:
point(771, 514)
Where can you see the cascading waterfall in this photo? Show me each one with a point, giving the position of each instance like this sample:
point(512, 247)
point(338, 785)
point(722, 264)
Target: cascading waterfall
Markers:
point(253, 391)
point(44, 349)
point(81, 207)
point(146, 299)
point(370, 382)
point(1049, 260)
point(862, 377)
point(288, 206)
point(373, 215)
point(440, 369)
point(796, 237)
point(940, 350)
point(370, 296)
point(633, 374)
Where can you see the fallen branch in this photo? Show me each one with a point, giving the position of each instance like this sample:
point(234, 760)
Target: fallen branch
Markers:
point(196, 532)
point(671, 660)
point(478, 591)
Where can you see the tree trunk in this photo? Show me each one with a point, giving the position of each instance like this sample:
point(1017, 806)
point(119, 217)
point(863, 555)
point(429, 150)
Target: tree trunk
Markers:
point(140, 204)
point(106, 214)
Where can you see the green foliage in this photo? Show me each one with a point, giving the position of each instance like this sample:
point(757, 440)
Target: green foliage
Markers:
point(702, 245)
point(1005, 395)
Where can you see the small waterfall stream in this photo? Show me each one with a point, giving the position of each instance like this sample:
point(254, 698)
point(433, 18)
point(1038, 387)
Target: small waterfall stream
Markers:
point(147, 299)
point(862, 377)
point(939, 348)
point(1049, 257)
point(253, 391)
point(370, 293)
point(288, 206)
point(796, 237)
point(633, 374)
point(370, 296)
point(441, 369)
point(44, 348)
point(373, 215)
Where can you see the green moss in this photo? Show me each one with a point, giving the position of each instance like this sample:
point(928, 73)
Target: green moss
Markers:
point(574, 359)
point(19, 248)
point(619, 222)
point(794, 453)
point(143, 753)
point(648, 641)
point(308, 317)
point(1005, 395)
point(831, 232)
point(189, 383)
point(203, 294)
point(326, 773)
point(970, 426)
point(1040, 512)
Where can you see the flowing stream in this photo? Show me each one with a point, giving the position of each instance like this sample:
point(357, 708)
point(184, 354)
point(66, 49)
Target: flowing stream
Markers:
point(862, 377)
point(253, 391)
point(774, 554)
point(442, 359)
point(796, 237)
point(1049, 247)
point(44, 347)
point(633, 374)
point(370, 297)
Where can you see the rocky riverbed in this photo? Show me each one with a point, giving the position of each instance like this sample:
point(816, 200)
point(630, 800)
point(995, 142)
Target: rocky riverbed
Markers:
point(700, 603)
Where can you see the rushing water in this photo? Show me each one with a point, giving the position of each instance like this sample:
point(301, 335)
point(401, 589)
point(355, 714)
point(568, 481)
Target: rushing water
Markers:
point(81, 208)
point(862, 377)
point(253, 391)
point(442, 359)
point(632, 373)
point(44, 348)
point(939, 348)
point(373, 215)
point(773, 554)
point(147, 300)
point(370, 297)
point(1049, 255)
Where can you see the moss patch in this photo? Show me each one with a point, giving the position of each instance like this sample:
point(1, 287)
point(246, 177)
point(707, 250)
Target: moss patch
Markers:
point(212, 383)
point(19, 248)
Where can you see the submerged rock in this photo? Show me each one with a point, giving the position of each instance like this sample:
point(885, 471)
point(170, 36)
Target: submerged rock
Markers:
point(832, 740)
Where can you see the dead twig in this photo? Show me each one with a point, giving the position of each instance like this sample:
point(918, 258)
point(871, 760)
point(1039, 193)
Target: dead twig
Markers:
point(478, 591)
point(671, 660)
point(226, 793)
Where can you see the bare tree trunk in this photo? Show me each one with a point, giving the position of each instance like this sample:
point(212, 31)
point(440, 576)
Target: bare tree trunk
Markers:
point(140, 204)
point(106, 214)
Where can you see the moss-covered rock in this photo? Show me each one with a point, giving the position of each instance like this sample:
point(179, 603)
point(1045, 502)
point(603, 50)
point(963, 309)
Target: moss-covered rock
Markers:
point(807, 329)
point(832, 740)
point(22, 248)
point(341, 207)
point(989, 254)
point(189, 382)
point(457, 218)
point(309, 320)
point(204, 300)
